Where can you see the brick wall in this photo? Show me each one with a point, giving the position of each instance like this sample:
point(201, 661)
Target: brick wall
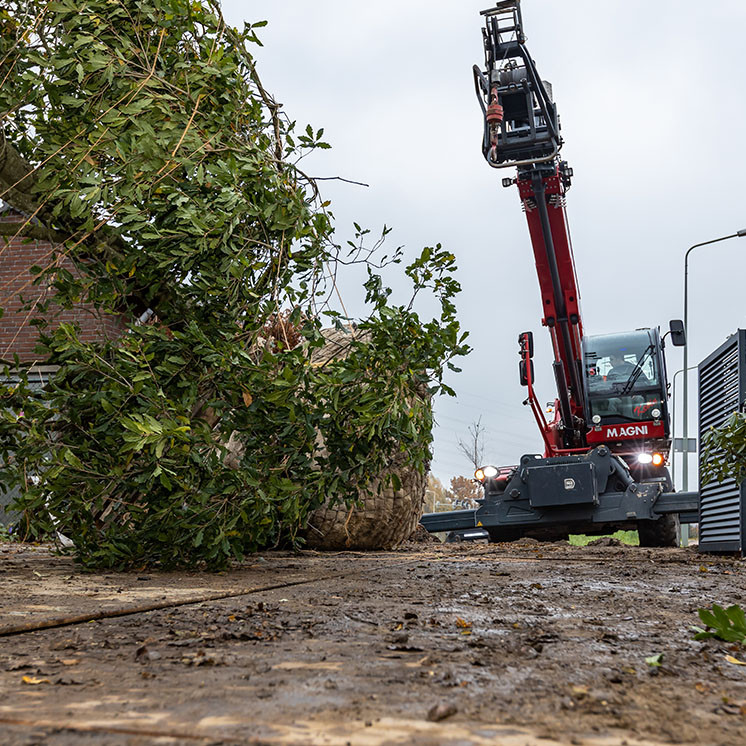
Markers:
point(17, 336)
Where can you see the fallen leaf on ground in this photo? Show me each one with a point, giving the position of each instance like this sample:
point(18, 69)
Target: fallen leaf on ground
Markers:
point(33, 680)
point(735, 661)
point(462, 623)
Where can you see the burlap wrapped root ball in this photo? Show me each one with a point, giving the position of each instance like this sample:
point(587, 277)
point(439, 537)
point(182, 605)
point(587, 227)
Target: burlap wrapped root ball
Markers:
point(385, 519)
point(387, 516)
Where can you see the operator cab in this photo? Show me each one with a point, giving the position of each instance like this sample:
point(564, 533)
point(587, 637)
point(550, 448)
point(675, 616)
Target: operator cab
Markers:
point(626, 386)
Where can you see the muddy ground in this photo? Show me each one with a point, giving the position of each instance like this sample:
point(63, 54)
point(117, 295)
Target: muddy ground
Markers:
point(433, 644)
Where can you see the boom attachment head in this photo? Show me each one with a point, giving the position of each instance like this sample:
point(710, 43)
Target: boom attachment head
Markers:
point(521, 126)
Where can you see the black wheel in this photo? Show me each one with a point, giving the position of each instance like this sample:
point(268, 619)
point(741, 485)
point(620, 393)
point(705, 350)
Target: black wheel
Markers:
point(663, 532)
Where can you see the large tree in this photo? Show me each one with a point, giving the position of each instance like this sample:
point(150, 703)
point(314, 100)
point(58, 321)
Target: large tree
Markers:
point(137, 136)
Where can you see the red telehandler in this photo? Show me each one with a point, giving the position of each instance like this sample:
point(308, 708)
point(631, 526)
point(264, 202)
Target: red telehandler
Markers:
point(603, 467)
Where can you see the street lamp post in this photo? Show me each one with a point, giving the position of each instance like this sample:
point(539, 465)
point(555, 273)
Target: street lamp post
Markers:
point(674, 419)
point(685, 473)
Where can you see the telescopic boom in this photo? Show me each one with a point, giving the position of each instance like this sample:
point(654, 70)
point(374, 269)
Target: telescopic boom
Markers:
point(521, 129)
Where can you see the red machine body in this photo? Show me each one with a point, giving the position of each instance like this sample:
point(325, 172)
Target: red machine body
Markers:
point(622, 405)
point(603, 467)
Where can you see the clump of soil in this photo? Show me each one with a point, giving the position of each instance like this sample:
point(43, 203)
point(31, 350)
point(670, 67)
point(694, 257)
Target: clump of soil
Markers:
point(605, 541)
point(422, 536)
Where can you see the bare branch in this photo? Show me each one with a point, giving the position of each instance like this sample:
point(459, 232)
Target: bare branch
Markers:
point(339, 178)
point(473, 448)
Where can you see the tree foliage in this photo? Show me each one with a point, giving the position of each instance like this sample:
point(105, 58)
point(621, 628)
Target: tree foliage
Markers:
point(465, 489)
point(138, 137)
point(437, 496)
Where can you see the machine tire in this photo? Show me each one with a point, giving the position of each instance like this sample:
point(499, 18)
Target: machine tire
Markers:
point(663, 532)
point(666, 530)
point(504, 534)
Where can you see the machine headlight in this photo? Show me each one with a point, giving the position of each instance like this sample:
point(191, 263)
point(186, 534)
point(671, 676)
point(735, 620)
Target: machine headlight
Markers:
point(656, 414)
point(644, 458)
point(658, 459)
point(485, 472)
point(596, 419)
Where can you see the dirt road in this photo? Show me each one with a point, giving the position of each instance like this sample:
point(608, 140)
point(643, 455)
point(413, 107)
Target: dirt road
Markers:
point(433, 644)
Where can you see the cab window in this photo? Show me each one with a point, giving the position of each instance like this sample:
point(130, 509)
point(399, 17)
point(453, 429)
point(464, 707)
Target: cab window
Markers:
point(623, 381)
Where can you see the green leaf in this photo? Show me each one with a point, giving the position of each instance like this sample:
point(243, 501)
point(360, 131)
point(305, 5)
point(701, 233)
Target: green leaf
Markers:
point(707, 617)
point(726, 624)
point(72, 459)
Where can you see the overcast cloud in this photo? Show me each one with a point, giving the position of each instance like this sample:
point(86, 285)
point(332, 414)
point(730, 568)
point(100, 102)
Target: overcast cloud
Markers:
point(651, 99)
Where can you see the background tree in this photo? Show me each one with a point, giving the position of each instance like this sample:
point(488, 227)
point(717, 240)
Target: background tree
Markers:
point(473, 446)
point(465, 490)
point(138, 137)
point(437, 496)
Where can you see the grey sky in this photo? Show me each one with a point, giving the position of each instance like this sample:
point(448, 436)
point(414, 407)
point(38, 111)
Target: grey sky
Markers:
point(651, 99)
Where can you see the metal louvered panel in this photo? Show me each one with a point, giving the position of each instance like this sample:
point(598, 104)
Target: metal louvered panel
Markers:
point(722, 389)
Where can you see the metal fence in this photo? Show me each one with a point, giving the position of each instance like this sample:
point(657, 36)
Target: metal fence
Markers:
point(722, 391)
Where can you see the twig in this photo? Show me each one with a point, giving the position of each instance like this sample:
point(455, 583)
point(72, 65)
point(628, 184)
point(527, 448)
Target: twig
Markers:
point(339, 178)
point(17, 629)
